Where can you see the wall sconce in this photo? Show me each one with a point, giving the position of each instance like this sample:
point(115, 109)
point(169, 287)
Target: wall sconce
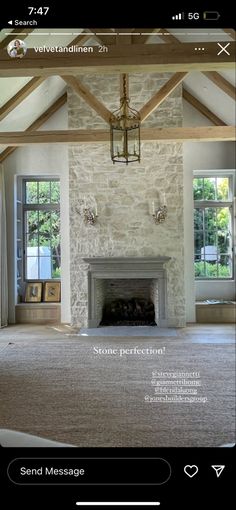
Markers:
point(159, 212)
point(90, 215)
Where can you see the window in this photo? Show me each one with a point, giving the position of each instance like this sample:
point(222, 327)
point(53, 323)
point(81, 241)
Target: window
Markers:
point(213, 206)
point(41, 229)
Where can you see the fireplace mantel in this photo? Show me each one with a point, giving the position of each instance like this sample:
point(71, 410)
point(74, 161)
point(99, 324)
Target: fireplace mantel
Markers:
point(126, 263)
point(104, 268)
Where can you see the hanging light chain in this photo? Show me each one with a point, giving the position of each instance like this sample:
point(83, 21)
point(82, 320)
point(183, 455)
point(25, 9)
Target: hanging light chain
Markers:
point(125, 98)
point(125, 129)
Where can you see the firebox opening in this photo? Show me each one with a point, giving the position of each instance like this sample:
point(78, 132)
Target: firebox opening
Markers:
point(129, 312)
point(128, 302)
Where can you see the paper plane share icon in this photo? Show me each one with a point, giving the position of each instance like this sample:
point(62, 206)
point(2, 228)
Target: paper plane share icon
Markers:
point(218, 469)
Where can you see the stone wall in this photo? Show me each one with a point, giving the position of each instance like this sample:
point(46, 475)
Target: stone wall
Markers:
point(123, 193)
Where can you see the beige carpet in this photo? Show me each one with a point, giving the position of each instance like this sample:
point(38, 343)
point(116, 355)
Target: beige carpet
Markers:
point(62, 390)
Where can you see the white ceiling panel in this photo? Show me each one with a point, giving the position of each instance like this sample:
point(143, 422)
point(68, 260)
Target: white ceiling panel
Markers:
point(34, 105)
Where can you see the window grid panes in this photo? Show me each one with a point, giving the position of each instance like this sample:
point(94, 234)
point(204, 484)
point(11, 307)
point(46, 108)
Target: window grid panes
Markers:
point(212, 227)
point(42, 250)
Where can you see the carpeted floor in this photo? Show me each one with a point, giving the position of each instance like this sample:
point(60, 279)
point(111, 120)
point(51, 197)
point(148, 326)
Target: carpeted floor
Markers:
point(63, 390)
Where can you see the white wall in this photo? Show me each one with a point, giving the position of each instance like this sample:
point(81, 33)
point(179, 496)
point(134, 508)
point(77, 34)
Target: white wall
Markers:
point(201, 156)
point(50, 160)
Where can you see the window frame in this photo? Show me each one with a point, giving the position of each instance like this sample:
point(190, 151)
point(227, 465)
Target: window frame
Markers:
point(35, 207)
point(203, 204)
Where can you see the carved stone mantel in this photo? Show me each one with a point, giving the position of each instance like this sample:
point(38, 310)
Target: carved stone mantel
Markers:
point(127, 268)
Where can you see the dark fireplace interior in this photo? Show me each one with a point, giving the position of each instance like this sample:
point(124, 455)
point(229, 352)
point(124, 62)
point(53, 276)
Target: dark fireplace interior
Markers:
point(129, 312)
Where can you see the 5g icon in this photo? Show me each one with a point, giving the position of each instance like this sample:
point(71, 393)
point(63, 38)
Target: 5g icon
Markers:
point(193, 15)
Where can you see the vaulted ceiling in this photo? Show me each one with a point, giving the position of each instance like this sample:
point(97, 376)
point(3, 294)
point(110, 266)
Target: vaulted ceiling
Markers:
point(28, 101)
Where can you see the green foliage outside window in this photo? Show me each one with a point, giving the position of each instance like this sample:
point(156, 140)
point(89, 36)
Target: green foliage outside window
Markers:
point(210, 270)
point(212, 228)
point(42, 223)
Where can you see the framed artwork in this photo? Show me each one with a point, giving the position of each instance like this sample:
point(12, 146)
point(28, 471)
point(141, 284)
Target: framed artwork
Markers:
point(52, 292)
point(33, 292)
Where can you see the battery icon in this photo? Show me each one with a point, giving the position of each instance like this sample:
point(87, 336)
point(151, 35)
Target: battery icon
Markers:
point(211, 15)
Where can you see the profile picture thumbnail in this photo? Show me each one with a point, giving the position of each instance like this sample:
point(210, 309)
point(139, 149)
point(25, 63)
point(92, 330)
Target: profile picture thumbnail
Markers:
point(16, 48)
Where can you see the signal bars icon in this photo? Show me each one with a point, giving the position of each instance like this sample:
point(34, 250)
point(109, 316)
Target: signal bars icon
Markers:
point(178, 16)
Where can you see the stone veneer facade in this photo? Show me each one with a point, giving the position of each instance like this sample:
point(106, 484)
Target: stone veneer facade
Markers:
point(123, 193)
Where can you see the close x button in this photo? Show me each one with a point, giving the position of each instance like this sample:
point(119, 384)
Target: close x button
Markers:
point(89, 471)
point(223, 48)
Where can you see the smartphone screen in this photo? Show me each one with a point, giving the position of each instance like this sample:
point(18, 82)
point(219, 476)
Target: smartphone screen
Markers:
point(117, 261)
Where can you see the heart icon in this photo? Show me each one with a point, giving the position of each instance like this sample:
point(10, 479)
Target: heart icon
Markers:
point(190, 470)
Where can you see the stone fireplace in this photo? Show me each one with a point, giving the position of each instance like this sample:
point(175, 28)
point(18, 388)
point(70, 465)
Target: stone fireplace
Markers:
point(143, 278)
point(125, 230)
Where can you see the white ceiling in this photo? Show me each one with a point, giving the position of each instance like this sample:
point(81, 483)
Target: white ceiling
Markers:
point(34, 105)
point(212, 96)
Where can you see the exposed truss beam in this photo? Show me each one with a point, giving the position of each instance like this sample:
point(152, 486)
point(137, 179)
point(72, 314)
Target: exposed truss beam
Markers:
point(119, 58)
point(161, 95)
point(89, 98)
point(180, 134)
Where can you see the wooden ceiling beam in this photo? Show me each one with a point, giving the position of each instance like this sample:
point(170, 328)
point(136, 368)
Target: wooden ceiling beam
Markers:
point(6, 152)
point(37, 123)
point(119, 58)
point(179, 134)
point(221, 82)
point(89, 98)
point(200, 107)
point(161, 95)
